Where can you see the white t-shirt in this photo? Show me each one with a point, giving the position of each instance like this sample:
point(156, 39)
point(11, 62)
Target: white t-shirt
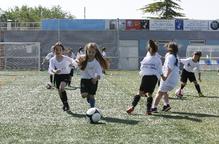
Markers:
point(190, 65)
point(156, 54)
point(63, 65)
point(173, 77)
point(151, 65)
point(92, 70)
point(72, 55)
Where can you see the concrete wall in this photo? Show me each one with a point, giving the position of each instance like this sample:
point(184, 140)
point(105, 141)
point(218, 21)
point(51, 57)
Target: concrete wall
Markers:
point(110, 40)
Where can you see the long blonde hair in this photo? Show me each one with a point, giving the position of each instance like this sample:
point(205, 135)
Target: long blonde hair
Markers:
point(98, 56)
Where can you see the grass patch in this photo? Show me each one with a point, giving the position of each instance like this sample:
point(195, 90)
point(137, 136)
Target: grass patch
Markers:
point(32, 114)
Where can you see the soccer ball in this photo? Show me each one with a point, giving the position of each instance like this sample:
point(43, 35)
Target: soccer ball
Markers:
point(93, 115)
point(179, 93)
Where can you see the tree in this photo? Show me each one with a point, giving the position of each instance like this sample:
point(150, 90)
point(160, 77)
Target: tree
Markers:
point(165, 9)
point(29, 14)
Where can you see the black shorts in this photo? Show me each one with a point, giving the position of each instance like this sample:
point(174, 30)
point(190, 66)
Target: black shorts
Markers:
point(72, 72)
point(88, 87)
point(61, 77)
point(187, 75)
point(148, 83)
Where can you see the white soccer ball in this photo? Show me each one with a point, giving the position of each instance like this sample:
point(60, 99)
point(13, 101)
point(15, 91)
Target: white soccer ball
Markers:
point(179, 93)
point(93, 115)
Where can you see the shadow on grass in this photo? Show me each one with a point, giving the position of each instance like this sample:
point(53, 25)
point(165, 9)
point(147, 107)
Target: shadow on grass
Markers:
point(196, 114)
point(121, 121)
point(175, 98)
point(206, 96)
point(107, 119)
point(76, 115)
point(185, 117)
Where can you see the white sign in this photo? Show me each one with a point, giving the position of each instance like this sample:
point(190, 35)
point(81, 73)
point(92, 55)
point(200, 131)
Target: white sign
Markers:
point(168, 25)
point(196, 25)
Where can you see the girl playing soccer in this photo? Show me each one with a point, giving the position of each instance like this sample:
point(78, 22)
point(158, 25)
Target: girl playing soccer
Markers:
point(60, 66)
point(91, 65)
point(150, 70)
point(171, 77)
point(188, 72)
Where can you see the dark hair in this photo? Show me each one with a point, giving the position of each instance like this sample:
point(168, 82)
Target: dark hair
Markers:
point(80, 49)
point(172, 48)
point(83, 60)
point(103, 48)
point(59, 44)
point(153, 46)
point(198, 53)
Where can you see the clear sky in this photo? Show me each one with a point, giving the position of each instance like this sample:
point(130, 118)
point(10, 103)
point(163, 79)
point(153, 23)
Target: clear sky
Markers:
point(123, 9)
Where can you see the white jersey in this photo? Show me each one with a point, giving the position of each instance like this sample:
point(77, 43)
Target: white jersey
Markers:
point(151, 65)
point(49, 56)
point(72, 55)
point(173, 77)
point(156, 54)
point(92, 70)
point(104, 54)
point(190, 65)
point(63, 65)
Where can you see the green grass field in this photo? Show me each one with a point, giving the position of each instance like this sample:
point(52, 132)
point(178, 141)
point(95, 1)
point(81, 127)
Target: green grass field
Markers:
point(29, 113)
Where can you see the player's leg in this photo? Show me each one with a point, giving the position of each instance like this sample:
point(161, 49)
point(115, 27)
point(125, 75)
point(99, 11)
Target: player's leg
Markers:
point(135, 101)
point(166, 106)
point(63, 95)
point(183, 79)
point(149, 103)
point(197, 87)
point(192, 78)
point(91, 92)
point(156, 101)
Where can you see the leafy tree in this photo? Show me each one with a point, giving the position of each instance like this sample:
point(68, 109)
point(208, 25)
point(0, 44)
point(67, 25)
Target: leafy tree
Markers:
point(165, 9)
point(29, 14)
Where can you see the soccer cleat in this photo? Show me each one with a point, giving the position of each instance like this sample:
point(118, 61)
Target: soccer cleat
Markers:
point(179, 96)
point(148, 113)
point(65, 107)
point(130, 110)
point(200, 94)
point(166, 108)
point(154, 110)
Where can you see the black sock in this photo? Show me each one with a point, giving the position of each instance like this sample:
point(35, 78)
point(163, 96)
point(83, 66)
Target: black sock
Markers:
point(51, 78)
point(198, 88)
point(64, 97)
point(92, 102)
point(182, 86)
point(136, 100)
point(149, 103)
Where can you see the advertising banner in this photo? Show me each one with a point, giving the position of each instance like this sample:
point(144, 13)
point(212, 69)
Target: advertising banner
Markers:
point(196, 25)
point(166, 25)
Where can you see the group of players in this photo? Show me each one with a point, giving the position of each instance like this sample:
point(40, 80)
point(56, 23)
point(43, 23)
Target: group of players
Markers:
point(92, 65)
point(167, 75)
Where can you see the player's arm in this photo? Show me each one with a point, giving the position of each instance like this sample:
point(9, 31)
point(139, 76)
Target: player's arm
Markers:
point(53, 68)
point(99, 73)
point(199, 76)
point(199, 73)
point(183, 61)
